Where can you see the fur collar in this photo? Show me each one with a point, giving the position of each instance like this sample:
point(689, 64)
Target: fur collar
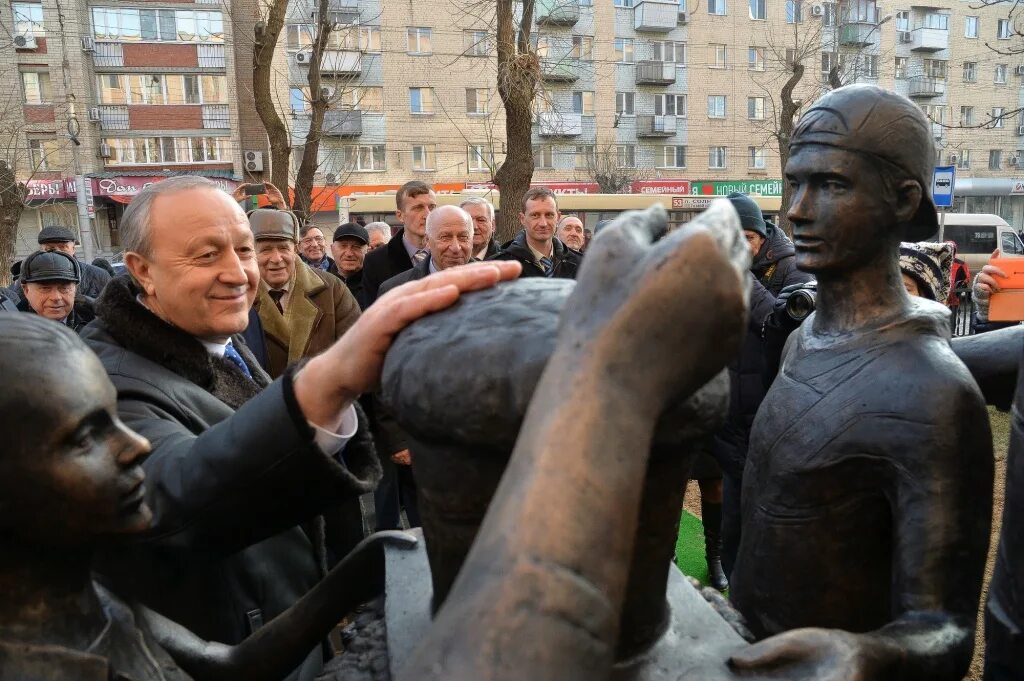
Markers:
point(140, 331)
point(294, 328)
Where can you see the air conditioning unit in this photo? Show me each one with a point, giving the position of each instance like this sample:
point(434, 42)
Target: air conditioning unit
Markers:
point(326, 93)
point(331, 178)
point(1013, 160)
point(1020, 130)
point(817, 11)
point(303, 57)
point(906, 37)
point(953, 158)
point(25, 42)
point(254, 161)
point(682, 19)
point(1019, 70)
point(94, 114)
point(104, 150)
point(88, 45)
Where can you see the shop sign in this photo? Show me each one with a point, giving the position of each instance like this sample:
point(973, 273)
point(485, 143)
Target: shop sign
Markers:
point(660, 187)
point(41, 190)
point(756, 187)
point(691, 203)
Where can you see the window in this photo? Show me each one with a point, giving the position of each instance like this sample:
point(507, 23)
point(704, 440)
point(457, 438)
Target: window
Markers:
point(1000, 78)
point(297, 100)
point(716, 106)
point(183, 89)
point(794, 11)
point(673, 157)
point(901, 67)
point(830, 15)
point(829, 61)
point(997, 116)
point(756, 158)
point(583, 103)
point(758, 9)
point(37, 87)
point(865, 11)
point(935, 112)
point(582, 47)
point(994, 159)
point(28, 18)
point(142, 150)
point(369, 38)
point(970, 71)
point(670, 105)
point(1010, 243)
point(970, 27)
point(625, 156)
point(623, 50)
point(903, 20)
point(755, 108)
point(717, 157)
point(966, 115)
point(478, 157)
point(476, 43)
point(45, 153)
point(1003, 29)
point(790, 57)
point(667, 51)
point(214, 89)
point(716, 7)
point(169, 25)
point(624, 103)
point(421, 100)
point(368, 99)
point(935, 20)
point(623, 3)
point(544, 156)
point(111, 88)
point(298, 36)
point(476, 100)
point(423, 157)
point(755, 58)
point(363, 158)
point(718, 57)
point(584, 157)
point(935, 68)
point(963, 158)
point(418, 41)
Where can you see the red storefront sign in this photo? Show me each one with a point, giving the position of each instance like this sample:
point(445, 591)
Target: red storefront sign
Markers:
point(660, 187)
point(44, 190)
point(556, 187)
point(122, 189)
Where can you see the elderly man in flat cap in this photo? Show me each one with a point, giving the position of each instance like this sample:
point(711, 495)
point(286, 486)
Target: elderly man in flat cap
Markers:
point(50, 289)
point(63, 239)
point(868, 485)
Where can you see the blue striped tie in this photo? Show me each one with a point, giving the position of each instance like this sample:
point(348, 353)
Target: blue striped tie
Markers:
point(549, 267)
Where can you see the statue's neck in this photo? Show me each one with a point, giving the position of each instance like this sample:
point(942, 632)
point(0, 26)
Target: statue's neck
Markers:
point(48, 596)
point(856, 299)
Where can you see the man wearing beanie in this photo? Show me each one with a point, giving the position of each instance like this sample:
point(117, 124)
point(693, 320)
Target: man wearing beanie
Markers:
point(772, 269)
point(926, 267)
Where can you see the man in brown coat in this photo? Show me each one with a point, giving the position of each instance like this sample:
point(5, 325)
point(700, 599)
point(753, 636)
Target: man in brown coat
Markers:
point(302, 310)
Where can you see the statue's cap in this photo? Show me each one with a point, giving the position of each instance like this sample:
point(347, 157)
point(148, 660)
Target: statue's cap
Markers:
point(884, 125)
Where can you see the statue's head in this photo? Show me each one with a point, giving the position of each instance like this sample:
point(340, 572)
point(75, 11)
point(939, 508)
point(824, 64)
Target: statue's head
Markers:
point(860, 165)
point(70, 469)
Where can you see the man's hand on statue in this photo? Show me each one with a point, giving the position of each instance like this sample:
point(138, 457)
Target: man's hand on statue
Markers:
point(352, 366)
point(818, 655)
point(669, 300)
point(402, 458)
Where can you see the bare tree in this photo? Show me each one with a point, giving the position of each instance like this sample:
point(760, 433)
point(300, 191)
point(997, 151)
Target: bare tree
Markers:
point(612, 173)
point(265, 40)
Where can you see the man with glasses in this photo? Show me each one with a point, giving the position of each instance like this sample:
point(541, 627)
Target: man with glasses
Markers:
point(313, 250)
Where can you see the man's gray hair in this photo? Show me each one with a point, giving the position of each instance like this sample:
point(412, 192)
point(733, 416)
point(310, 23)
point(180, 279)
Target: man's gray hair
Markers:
point(381, 227)
point(135, 222)
point(562, 221)
point(479, 201)
point(439, 213)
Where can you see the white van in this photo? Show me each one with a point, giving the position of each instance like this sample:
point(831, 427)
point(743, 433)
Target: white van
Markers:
point(978, 234)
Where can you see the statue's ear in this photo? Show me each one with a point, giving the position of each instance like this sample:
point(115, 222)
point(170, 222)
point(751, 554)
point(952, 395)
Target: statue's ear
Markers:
point(908, 200)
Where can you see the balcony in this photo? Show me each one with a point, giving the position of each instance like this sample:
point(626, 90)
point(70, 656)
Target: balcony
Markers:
point(340, 12)
point(216, 116)
point(858, 33)
point(564, 69)
point(211, 56)
point(342, 62)
point(655, 73)
point(343, 123)
point(108, 54)
point(659, 17)
point(114, 117)
point(922, 86)
point(558, 12)
point(929, 39)
point(558, 124)
point(655, 126)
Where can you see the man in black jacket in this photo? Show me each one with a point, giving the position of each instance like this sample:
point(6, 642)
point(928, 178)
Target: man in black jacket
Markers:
point(241, 467)
point(349, 246)
point(50, 285)
point(773, 268)
point(63, 239)
point(413, 203)
point(541, 254)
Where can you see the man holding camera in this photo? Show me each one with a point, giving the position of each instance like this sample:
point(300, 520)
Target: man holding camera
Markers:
point(773, 269)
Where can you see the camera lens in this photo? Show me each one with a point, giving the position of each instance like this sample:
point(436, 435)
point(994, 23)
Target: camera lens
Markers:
point(800, 305)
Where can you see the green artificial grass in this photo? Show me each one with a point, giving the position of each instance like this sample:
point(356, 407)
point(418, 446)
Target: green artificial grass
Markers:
point(690, 548)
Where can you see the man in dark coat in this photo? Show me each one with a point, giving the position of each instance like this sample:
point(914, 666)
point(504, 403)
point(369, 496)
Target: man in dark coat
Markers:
point(772, 269)
point(349, 247)
point(50, 284)
point(63, 239)
point(240, 466)
point(413, 203)
point(541, 254)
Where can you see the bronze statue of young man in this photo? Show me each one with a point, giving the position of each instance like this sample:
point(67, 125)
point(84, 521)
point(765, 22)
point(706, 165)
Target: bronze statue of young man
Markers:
point(867, 493)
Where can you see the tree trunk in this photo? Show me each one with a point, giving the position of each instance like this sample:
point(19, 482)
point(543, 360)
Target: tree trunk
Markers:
point(12, 203)
point(787, 118)
point(518, 72)
point(303, 199)
point(264, 46)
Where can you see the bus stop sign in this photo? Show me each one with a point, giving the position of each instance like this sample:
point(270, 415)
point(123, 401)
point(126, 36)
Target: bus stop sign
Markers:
point(943, 180)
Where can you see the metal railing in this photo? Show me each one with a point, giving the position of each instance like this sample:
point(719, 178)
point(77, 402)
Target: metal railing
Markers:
point(114, 117)
point(216, 116)
point(108, 54)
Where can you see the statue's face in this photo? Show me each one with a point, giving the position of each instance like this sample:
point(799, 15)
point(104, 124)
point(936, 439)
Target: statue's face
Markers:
point(76, 475)
point(840, 218)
